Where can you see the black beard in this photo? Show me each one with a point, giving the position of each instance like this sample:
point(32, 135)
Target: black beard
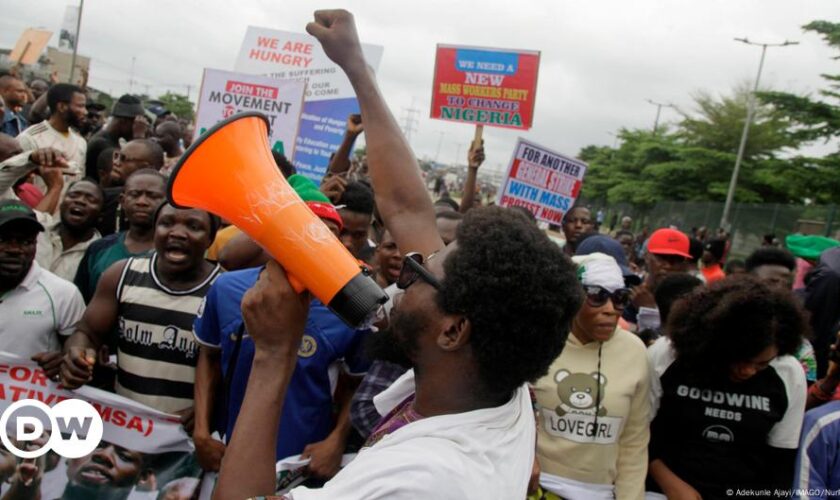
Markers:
point(72, 120)
point(398, 343)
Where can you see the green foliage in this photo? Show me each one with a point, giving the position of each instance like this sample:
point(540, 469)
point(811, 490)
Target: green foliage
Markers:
point(693, 160)
point(178, 104)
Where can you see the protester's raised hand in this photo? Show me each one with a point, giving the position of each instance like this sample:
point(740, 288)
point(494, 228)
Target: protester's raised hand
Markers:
point(475, 156)
point(48, 157)
point(77, 367)
point(140, 128)
point(336, 30)
point(333, 187)
point(355, 125)
point(274, 313)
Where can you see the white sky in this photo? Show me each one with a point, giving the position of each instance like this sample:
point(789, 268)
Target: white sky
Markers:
point(601, 59)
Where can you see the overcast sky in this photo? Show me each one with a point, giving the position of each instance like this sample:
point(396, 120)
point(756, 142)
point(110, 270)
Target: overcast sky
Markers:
point(601, 60)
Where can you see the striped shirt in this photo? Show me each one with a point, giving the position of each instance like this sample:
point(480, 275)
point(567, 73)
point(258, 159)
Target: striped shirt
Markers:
point(157, 352)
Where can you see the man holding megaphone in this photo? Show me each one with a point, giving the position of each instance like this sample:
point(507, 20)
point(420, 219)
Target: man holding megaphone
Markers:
point(479, 318)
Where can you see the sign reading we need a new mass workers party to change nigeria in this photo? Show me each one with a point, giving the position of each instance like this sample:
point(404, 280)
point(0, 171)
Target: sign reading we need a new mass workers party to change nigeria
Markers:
point(541, 180)
point(329, 97)
point(224, 94)
point(495, 87)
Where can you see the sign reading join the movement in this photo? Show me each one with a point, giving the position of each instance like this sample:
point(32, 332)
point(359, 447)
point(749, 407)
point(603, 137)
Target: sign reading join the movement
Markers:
point(329, 95)
point(544, 182)
point(223, 94)
point(495, 87)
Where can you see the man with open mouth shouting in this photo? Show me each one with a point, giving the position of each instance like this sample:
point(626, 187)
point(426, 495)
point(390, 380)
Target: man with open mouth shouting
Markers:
point(152, 301)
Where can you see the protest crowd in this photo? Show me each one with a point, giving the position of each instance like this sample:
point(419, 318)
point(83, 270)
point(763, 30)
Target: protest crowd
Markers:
point(509, 362)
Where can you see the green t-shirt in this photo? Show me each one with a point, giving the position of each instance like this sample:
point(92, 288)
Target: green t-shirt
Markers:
point(99, 256)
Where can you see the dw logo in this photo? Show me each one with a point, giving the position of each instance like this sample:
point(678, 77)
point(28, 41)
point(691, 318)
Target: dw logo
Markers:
point(75, 428)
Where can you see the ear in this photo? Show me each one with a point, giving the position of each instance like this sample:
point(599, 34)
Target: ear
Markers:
point(456, 332)
point(559, 376)
point(599, 377)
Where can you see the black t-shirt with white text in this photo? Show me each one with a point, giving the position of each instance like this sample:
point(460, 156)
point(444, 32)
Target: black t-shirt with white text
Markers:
point(716, 434)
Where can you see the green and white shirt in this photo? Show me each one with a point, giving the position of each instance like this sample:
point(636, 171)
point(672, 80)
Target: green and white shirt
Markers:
point(34, 314)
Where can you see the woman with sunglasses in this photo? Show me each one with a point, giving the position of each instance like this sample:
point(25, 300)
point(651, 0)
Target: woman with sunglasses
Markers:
point(593, 405)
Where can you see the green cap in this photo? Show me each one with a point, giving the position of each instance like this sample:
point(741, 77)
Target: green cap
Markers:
point(809, 246)
point(306, 189)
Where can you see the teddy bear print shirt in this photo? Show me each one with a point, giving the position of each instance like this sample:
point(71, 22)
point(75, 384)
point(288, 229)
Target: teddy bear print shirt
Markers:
point(593, 424)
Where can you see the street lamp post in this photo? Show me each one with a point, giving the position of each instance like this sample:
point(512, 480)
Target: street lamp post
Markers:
point(733, 182)
point(659, 106)
point(76, 41)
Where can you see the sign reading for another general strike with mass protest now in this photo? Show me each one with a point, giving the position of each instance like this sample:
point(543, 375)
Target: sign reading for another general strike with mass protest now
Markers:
point(543, 181)
point(495, 87)
point(224, 94)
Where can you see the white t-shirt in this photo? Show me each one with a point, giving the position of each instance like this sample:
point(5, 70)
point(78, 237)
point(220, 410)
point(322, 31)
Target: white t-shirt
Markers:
point(485, 454)
point(34, 314)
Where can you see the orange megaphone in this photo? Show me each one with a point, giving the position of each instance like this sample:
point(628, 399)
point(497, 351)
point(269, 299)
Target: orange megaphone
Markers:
point(230, 172)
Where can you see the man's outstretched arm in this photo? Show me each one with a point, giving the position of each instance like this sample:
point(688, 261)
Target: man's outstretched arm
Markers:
point(400, 193)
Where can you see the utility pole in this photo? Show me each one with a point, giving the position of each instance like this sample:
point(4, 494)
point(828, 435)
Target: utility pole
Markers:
point(659, 106)
point(733, 182)
point(76, 42)
point(410, 120)
point(131, 75)
point(440, 142)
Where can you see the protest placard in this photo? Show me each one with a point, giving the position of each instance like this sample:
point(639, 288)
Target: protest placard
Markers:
point(494, 87)
point(29, 46)
point(329, 95)
point(541, 180)
point(224, 94)
point(143, 452)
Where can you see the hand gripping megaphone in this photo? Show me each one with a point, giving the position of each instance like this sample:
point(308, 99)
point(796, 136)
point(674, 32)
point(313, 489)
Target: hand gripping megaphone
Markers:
point(229, 171)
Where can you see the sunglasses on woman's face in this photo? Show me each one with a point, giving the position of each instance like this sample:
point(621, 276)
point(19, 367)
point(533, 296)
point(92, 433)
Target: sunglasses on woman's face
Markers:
point(597, 296)
point(412, 269)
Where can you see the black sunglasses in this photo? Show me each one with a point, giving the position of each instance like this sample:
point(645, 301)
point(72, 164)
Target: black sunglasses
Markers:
point(597, 296)
point(412, 269)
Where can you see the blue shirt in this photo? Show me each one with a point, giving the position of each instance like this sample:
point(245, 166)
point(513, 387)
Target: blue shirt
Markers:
point(818, 461)
point(307, 409)
point(13, 123)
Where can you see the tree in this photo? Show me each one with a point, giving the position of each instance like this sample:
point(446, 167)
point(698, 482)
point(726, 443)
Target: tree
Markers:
point(693, 160)
point(814, 119)
point(178, 104)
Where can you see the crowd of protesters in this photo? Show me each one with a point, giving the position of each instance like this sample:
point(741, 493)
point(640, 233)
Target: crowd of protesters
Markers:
point(506, 364)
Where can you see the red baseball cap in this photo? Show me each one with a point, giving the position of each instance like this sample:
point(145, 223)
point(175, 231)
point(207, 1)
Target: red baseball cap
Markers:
point(669, 242)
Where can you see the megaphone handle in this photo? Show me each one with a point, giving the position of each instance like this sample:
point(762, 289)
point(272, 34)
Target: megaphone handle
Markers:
point(296, 284)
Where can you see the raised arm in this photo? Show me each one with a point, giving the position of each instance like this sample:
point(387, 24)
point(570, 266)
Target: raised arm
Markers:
point(99, 319)
point(401, 196)
point(340, 162)
point(475, 157)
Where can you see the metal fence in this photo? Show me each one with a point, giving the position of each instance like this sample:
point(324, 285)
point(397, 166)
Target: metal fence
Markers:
point(750, 222)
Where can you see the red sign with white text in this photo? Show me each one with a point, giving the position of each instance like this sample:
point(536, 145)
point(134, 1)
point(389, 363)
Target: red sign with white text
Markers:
point(494, 87)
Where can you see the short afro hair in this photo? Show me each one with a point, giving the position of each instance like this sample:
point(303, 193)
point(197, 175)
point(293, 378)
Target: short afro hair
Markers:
point(524, 211)
point(672, 288)
point(732, 321)
point(446, 201)
point(61, 92)
point(357, 197)
point(770, 256)
point(153, 151)
point(283, 163)
point(450, 215)
point(520, 309)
